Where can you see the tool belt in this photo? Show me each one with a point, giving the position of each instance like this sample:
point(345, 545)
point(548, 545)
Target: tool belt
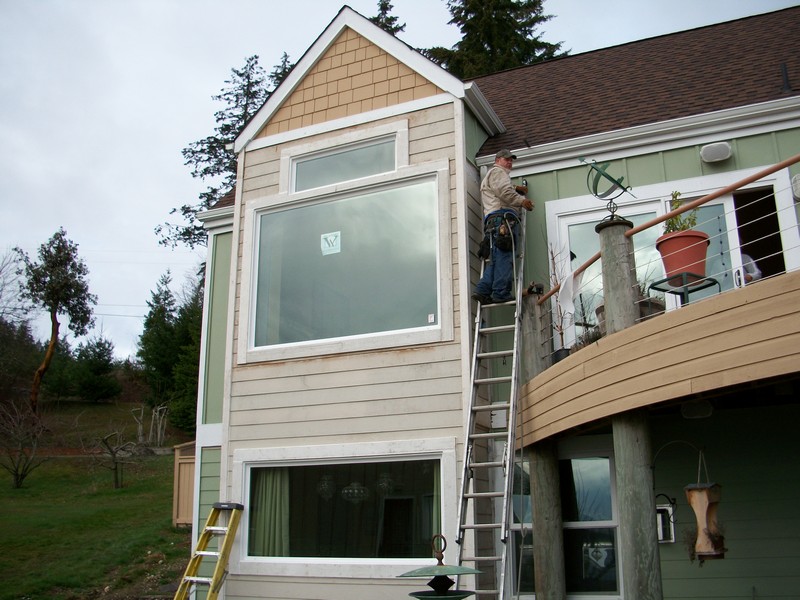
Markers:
point(498, 227)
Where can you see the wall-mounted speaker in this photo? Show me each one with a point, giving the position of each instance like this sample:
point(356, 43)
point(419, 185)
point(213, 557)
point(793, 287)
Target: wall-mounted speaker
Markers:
point(715, 152)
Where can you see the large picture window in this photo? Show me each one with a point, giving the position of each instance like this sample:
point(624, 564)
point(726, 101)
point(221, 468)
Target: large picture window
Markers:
point(360, 510)
point(358, 264)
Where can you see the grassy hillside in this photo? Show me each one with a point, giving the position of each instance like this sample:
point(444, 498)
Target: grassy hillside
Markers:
point(69, 535)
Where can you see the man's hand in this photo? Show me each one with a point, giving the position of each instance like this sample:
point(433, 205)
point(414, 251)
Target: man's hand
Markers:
point(527, 204)
point(521, 189)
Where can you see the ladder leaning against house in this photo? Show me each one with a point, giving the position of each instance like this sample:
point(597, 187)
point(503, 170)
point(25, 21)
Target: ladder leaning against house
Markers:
point(485, 507)
point(213, 530)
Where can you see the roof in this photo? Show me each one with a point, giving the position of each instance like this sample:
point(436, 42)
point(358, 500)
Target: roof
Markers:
point(723, 66)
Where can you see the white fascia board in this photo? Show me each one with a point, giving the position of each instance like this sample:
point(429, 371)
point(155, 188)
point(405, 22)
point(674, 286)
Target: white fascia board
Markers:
point(347, 17)
point(706, 128)
point(216, 217)
point(482, 110)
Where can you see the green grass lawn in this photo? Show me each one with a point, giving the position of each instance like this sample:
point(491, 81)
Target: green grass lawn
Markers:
point(67, 534)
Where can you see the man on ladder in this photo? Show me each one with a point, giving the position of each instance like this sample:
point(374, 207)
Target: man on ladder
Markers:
point(501, 201)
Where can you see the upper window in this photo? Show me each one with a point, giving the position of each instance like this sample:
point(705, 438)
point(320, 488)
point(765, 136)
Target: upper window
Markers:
point(363, 263)
point(343, 165)
point(352, 254)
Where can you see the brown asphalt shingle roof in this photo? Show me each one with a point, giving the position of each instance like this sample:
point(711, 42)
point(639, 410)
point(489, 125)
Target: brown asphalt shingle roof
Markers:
point(682, 74)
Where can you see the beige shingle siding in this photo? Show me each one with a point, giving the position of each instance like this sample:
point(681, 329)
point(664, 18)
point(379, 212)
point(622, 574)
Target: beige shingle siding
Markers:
point(352, 77)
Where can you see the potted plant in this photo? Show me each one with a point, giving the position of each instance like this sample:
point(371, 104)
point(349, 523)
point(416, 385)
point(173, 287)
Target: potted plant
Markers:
point(682, 248)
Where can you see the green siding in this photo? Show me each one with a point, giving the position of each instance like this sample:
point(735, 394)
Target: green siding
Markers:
point(474, 136)
point(216, 334)
point(644, 170)
point(682, 163)
point(209, 470)
point(753, 455)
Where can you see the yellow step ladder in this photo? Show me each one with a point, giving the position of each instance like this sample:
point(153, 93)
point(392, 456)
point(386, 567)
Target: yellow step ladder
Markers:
point(212, 530)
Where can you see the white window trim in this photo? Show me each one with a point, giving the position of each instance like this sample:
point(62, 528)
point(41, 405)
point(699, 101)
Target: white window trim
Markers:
point(244, 460)
point(593, 446)
point(331, 145)
point(247, 352)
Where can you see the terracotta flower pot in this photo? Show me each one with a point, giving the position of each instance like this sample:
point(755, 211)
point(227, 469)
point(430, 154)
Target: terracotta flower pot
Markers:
point(683, 252)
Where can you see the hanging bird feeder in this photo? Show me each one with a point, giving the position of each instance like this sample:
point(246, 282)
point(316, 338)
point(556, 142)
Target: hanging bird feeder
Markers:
point(441, 582)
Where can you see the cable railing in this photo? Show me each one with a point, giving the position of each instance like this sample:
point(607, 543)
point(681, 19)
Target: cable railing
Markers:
point(720, 266)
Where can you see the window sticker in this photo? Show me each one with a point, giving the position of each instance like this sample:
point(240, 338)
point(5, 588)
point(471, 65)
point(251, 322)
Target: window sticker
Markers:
point(331, 243)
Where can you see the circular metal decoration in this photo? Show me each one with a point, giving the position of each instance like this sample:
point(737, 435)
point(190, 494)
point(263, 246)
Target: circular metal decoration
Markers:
point(604, 186)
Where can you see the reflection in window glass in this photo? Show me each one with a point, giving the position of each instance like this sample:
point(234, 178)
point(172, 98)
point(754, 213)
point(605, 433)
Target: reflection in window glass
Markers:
point(590, 560)
point(346, 165)
point(585, 489)
point(711, 220)
point(584, 242)
point(351, 266)
point(361, 510)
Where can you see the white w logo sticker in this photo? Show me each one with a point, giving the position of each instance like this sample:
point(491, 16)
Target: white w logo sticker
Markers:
point(330, 243)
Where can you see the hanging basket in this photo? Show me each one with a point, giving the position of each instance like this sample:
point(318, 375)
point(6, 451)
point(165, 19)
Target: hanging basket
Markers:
point(683, 252)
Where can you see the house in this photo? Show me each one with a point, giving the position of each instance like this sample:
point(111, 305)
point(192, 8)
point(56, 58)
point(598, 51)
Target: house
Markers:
point(338, 324)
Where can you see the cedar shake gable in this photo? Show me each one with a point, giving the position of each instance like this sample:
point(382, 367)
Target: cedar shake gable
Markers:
point(689, 73)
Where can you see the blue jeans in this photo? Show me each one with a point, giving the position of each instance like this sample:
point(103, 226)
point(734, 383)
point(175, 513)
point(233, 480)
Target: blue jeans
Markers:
point(498, 275)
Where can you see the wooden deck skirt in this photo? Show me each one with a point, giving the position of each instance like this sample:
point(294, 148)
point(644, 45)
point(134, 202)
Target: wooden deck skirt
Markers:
point(736, 337)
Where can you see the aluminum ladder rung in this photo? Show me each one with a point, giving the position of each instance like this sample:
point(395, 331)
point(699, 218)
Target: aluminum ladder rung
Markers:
point(496, 354)
point(200, 580)
point(495, 406)
point(480, 559)
point(207, 553)
point(486, 465)
point(492, 380)
point(497, 329)
point(484, 495)
point(482, 526)
point(216, 530)
point(492, 435)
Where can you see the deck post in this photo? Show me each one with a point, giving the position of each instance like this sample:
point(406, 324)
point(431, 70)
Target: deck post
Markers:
point(638, 538)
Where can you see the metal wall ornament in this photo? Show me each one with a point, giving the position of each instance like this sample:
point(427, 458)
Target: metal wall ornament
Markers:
point(355, 493)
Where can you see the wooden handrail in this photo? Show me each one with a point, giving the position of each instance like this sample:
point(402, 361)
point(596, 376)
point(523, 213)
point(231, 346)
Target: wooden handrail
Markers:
point(684, 208)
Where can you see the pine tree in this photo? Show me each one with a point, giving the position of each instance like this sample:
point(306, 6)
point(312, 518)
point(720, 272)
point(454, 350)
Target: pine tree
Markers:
point(386, 21)
point(210, 159)
point(158, 345)
point(496, 35)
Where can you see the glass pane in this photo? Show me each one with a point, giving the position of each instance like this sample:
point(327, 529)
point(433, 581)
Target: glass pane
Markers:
point(524, 582)
point(363, 510)
point(353, 163)
point(521, 499)
point(711, 220)
point(584, 242)
point(585, 489)
point(590, 560)
point(357, 265)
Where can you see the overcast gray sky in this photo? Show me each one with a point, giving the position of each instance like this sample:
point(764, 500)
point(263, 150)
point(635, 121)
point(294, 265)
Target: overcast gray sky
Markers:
point(98, 97)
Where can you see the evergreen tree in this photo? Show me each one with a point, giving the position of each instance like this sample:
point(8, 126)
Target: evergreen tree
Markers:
point(386, 21)
point(94, 370)
point(19, 356)
point(58, 283)
point(158, 346)
point(496, 35)
point(183, 402)
point(210, 160)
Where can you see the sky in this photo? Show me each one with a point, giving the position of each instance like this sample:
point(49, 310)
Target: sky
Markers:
point(99, 97)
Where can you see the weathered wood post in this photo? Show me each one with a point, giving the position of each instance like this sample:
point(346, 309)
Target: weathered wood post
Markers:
point(548, 547)
point(638, 537)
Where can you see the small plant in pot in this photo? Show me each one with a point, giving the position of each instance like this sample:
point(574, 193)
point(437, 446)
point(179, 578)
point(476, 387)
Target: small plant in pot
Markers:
point(683, 248)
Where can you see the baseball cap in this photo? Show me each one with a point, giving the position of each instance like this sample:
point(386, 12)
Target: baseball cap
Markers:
point(505, 154)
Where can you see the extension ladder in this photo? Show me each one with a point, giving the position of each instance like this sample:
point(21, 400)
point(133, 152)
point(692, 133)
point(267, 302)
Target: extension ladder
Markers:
point(485, 506)
point(212, 530)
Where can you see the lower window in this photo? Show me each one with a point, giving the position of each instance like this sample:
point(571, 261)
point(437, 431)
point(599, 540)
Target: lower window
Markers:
point(363, 510)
